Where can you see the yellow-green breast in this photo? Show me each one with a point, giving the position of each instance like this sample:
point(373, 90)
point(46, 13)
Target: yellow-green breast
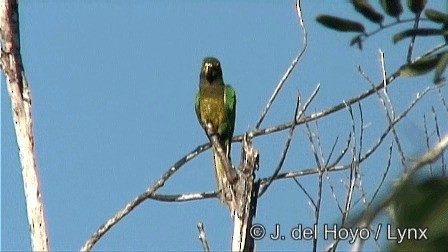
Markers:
point(212, 106)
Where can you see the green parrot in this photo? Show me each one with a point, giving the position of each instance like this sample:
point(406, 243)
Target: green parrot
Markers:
point(216, 104)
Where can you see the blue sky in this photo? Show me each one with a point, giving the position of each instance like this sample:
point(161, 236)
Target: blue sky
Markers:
point(113, 87)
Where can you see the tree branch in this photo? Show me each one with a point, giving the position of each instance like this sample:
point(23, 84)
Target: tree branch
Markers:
point(20, 94)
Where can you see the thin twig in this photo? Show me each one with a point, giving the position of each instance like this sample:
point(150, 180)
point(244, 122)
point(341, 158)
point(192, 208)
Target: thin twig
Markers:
point(431, 51)
point(203, 237)
point(364, 36)
point(332, 151)
point(326, 174)
point(343, 152)
point(384, 175)
point(444, 103)
point(411, 43)
point(361, 139)
point(290, 68)
point(306, 193)
point(337, 161)
point(285, 151)
point(319, 164)
point(313, 147)
point(427, 137)
point(390, 112)
point(353, 171)
point(436, 122)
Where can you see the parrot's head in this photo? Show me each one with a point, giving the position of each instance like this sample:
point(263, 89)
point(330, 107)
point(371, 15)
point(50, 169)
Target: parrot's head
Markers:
point(211, 70)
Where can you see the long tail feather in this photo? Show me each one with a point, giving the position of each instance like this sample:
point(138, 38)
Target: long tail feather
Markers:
point(220, 175)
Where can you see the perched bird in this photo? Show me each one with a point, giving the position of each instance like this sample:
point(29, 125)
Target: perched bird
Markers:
point(216, 104)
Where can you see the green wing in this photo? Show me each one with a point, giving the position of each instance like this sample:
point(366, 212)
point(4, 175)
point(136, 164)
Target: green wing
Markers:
point(231, 113)
point(196, 107)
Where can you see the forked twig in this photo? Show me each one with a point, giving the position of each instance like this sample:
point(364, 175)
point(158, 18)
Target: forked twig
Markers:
point(390, 112)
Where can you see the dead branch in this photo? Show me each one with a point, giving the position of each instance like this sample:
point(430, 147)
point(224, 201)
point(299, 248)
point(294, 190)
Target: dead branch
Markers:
point(246, 191)
point(139, 199)
point(20, 94)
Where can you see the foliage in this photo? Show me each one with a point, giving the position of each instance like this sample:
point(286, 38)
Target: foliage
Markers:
point(394, 8)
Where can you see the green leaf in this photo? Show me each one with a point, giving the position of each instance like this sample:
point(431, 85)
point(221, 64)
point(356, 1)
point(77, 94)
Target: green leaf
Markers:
point(416, 6)
point(436, 16)
point(421, 66)
point(392, 8)
point(417, 32)
point(363, 7)
point(340, 24)
point(440, 68)
point(422, 205)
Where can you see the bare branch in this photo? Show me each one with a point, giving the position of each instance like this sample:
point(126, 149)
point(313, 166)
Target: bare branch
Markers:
point(320, 114)
point(290, 68)
point(203, 237)
point(361, 135)
point(353, 175)
point(353, 170)
point(384, 175)
point(390, 112)
point(431, 51)
point(429, 157)
point(285, 151)
point(139, 199)
point(397, 119)
point(246, 197)
point(306, 193)
point(318, 156)
point(20, 94)
point(338, 159)
point(184, 197)
point(334, 167)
